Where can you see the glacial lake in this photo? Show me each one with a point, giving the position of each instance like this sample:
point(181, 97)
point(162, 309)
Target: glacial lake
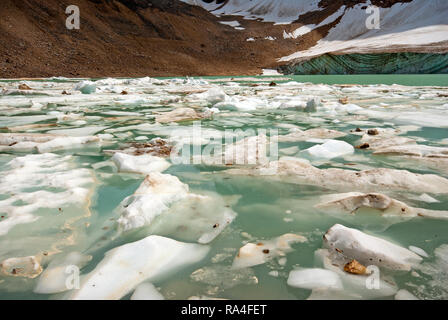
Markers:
point(63, 189)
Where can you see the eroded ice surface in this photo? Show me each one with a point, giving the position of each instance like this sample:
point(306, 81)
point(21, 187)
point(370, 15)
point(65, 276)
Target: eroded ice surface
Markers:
point(109, 176)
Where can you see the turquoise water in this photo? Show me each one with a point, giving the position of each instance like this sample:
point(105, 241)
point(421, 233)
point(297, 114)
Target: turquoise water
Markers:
point(266, 207)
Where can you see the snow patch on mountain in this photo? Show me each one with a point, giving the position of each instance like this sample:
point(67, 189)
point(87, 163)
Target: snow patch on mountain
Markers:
point(280, 12)
point(420, 25)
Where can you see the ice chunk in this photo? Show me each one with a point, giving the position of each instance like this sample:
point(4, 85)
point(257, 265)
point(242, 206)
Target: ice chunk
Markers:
point(414, 150)
point(368, 250)
point(330, 149)
point(197, 217)
point(419, 251)
point(299, 171)
point(316, 133)
point(180, 114)
point(314, 278)
point(371, 285)
point(63, 143)
point(253, 254)
point(28, 267)
point(212, 95)
point(31, 180)
point(54, 278)
point(405, 295)
point(146, 291)
point(86, 87)
point(125, 267)
point(78, 132)
point(427, 198)
point(313, 104)
point(139, 164)
point(156, 193)
point(353, 201)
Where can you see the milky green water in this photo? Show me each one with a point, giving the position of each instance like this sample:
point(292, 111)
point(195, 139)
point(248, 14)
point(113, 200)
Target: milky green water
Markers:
point(265, 208)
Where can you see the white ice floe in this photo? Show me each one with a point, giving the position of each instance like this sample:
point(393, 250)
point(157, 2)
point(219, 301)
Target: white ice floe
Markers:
point(352, 202)
point(298, 171)
point(271, 72)
point(253, 254)
point(143, 164)
point(63, 143)
point(315, 278)
point(78, 132)
point(125, 267)
point(414, 150)
point(369, 250)
point(44, 143)
point(405, 295)
point(86, 87)
point(212, 95)
point(371, 285)
point(54, 278)
point(419, 251)
point(179, 114)
point(156, 193)
point(197, 217)
point(31, 180)
point(328, 150)
point(297, 135)
point(427, 198)
point(146, 291)
point(28, 267)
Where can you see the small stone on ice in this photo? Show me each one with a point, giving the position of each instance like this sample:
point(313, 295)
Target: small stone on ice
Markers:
point(355, 267)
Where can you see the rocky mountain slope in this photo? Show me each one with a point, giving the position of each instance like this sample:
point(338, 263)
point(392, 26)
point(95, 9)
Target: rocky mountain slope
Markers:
point(210, 37)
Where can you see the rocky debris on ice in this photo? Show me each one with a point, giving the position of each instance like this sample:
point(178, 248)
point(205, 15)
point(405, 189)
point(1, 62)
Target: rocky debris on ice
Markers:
point(352, 244)
point(253, 254)
point(316, 133)
point(315, 278)
point(143, 164)
point(54, 277)
point(86, 87)
point(28, 267)
point(156, 147)
point(353, 201)
point(329, 150)
point(179, 114)
point(146, 291)
point(156, 193)
point(152, 257)
point(299, 171)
